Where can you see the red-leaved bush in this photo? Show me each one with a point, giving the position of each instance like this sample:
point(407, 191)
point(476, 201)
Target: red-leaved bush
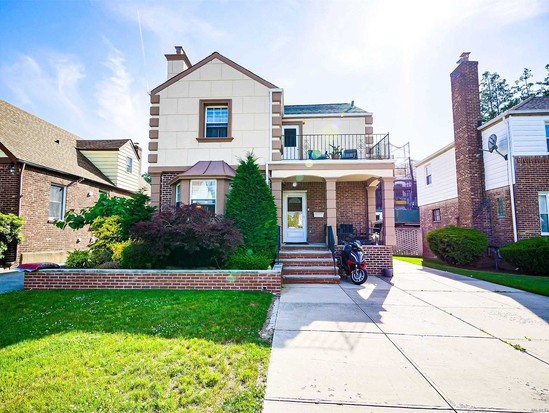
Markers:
point(188, 237)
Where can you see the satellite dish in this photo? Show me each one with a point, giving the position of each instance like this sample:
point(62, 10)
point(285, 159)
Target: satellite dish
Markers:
point(492, 143)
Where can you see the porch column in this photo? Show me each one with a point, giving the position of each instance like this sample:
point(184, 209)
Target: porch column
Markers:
point(276, 189)
point(331, 208)
point(388, 191)
point(371, 190)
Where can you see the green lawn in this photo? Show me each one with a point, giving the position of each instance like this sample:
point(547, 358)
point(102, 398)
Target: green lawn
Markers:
point(532, 283)
point(132, 351)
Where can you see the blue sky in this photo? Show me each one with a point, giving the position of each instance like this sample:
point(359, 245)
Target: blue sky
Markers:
point(82, 65)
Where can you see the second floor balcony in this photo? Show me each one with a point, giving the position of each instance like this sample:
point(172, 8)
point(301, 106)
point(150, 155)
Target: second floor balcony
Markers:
point(336, 146)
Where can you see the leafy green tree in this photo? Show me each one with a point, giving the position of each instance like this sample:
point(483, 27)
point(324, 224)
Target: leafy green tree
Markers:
point(524, 87)
point(496, 96)
point(147, 177)
point(544, 84)
point(250, 204)
point(10, 231)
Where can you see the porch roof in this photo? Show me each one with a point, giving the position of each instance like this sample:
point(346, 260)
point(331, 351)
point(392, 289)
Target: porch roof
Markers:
point(207, 169)
point(340, 170)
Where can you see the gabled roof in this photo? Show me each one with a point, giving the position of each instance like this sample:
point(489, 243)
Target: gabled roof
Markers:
point(534, 103)
point(34, 141)
point(323, 109)
point(207, 60)
point(101, 145)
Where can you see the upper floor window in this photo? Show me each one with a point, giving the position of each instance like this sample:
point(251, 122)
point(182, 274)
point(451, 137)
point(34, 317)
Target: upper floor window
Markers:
point(428, 175)
point(204, 193)
point(129, 164)
point(544, 212)
point(547, 135)
point(215, 119)
point(57, 201)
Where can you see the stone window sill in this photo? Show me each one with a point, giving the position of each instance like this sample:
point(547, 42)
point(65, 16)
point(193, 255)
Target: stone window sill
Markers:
point(202, 140)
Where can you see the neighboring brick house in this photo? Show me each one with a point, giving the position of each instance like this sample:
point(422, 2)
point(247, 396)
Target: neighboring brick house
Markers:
point(208, 115)
point(45, 171)
point(494, 177)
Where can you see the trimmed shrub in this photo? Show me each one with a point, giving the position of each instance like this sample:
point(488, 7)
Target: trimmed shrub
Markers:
point(188, 237)
point(246, 259)
point(117, 249)
point(250, 204)
point(530, 255)
point(80, 259)
point(456, 245)
point(136, 255)
point(10, 231)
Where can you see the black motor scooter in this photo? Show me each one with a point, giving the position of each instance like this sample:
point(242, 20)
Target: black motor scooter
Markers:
point(352, 263)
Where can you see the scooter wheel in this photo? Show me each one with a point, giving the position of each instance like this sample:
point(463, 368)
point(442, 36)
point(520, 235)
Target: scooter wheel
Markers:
point(359, 276)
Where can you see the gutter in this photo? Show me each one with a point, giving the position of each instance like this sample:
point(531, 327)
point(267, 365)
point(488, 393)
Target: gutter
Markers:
point(510, 176)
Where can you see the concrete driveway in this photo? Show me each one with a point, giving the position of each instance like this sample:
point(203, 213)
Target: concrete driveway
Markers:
point(423, 341)
point(11, 281)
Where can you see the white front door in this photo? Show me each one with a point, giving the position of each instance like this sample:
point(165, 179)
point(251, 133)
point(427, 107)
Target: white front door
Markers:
point(291, 141)
point(295, 216)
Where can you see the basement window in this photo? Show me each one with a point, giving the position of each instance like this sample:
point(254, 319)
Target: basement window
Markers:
point(436, 215)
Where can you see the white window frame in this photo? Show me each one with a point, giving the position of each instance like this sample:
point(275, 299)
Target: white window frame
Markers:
point(439, 215)
point(206, 120)
point(178, 194)
point(129, 164)
point(203, 180)
point(428, 175)
point(546, 195)
point(63, 202)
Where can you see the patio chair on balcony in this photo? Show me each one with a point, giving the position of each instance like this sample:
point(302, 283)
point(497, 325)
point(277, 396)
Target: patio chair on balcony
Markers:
point(349, 154)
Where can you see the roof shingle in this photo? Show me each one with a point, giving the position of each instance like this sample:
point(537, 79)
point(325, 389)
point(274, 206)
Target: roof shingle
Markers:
point(322, 109)
point(534, 103)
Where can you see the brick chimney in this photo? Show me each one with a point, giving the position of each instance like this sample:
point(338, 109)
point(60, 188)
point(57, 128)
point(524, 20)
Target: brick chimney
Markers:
point(468, 142)
point(177, 62)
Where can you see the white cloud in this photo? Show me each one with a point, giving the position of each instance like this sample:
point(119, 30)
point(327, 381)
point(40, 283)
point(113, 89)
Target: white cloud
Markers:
point(121, 105)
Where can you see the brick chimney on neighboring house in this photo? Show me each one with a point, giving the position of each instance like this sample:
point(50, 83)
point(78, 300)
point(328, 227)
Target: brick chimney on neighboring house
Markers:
point(177, 62)
point(468, 142)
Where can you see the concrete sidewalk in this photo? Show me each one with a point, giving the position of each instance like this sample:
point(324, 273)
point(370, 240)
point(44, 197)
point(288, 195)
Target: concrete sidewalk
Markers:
point(423, 341)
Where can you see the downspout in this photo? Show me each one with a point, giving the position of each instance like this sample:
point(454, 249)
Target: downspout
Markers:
point(19, 205)
point(510, 176)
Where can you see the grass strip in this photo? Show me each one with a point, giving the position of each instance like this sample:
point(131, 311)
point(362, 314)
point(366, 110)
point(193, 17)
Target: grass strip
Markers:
point(531, 283)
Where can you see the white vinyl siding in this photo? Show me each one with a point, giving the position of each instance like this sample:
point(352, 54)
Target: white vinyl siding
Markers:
point(495, 166)
point(2, 154)
point(444, 179)
point(528, 135)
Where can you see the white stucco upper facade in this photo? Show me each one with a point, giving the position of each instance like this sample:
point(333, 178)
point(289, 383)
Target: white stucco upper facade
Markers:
point(179, 117)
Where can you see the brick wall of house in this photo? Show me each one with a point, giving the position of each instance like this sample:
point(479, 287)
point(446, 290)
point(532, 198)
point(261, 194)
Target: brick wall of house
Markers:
point(9, 191)
point(166, 190)
point(449, 215)
point(151, 279)
point(501, 227)
point(316, 201)
point(469, 164)
point(531, 177)
point(352, 205)
point(41, 236)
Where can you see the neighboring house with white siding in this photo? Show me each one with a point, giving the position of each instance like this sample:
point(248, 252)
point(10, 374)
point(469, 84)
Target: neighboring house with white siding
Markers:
point(208, 115)
point(494, 177)
point(45, 171)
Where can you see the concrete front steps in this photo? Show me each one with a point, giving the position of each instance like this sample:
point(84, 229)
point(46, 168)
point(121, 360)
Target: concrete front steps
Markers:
point(307, 264)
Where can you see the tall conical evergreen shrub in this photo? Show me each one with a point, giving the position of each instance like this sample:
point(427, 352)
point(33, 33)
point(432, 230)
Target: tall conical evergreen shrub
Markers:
point(251, 206)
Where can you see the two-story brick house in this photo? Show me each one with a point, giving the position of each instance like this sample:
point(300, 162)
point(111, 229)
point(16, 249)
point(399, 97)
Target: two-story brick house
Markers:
point(45, 171)
point(494, 177)
point(208, 115)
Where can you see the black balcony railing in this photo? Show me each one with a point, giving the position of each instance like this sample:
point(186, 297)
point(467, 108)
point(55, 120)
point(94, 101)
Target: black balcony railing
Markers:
point(340, 146)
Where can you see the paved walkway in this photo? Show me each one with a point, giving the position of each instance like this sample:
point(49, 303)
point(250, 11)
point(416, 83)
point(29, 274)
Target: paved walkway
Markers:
point(425, 341)
point(10, 281)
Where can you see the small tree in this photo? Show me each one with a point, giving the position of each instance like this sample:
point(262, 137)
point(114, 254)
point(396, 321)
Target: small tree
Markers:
point(10, 231)
point(251, 206)
point(544, 84)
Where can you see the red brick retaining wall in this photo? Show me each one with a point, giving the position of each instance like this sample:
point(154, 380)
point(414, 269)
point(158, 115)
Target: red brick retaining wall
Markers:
point(74, 279)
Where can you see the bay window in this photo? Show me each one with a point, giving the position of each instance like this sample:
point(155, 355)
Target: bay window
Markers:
point(204, 194)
